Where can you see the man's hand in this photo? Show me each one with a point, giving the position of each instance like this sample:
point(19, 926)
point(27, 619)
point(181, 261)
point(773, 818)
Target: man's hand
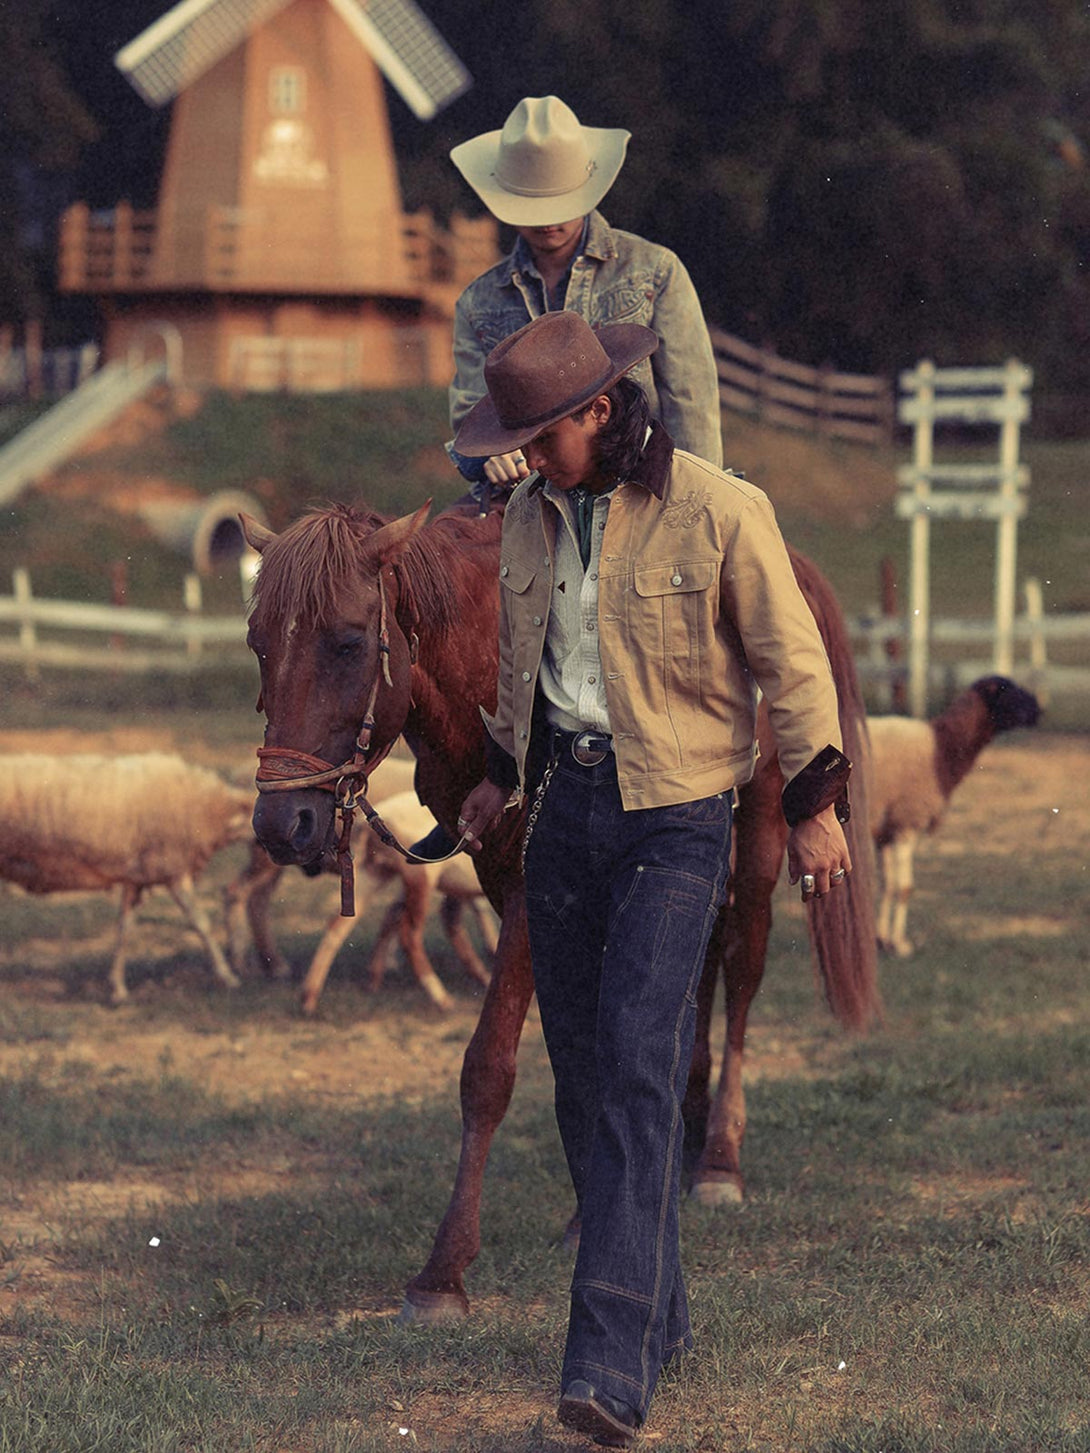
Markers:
point(506, 469)
point(817, 853)
point(480, 810)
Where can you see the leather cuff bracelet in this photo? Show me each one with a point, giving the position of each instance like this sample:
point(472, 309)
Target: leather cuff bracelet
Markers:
point(822, 783)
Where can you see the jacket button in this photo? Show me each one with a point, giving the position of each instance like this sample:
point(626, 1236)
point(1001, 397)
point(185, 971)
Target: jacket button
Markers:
point(526, 676)
point(537, 620)
point(504, 570)
point(675, 579)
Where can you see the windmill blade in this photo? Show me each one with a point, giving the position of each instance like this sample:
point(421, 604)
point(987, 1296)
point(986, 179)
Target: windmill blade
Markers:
point(187, 41)
point(409, 51)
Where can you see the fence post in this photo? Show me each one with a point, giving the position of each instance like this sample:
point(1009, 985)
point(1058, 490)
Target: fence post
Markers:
point(1007, 528)
point(1038, 651)
point(193, 604)
point(28, 635)
point(919, 613)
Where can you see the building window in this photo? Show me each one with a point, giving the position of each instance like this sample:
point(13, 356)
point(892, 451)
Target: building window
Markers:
point(287, 90)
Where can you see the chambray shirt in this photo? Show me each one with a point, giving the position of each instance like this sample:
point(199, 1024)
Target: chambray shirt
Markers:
point(617, 277)
point(571, 679)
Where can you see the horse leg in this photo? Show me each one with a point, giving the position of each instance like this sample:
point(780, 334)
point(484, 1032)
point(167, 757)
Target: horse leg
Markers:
point(246, 902)
point(486, 922)
point(697, 1103)
point(183, 893)
point(488, 1079)
point(742, 940)
point(451, 912)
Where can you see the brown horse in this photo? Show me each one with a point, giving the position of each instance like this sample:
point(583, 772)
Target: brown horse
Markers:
point(394, 625)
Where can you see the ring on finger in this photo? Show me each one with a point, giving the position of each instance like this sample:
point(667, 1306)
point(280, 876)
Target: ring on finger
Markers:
point(809, 883)
point(838, 876)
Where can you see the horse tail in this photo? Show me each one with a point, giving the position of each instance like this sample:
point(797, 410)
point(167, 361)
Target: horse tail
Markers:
point(842, 925)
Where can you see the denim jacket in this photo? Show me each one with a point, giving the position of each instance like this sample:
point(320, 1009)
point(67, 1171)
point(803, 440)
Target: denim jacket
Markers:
point(697, 608)
point(618, 278)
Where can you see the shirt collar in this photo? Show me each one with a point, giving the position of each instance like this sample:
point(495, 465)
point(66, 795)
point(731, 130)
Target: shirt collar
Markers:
point(522, 259)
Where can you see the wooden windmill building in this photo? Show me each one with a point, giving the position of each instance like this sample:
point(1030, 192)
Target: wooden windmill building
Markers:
point(279, 253)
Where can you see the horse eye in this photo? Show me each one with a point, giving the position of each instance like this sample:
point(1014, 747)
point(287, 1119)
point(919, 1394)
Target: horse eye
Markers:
point(348, 648)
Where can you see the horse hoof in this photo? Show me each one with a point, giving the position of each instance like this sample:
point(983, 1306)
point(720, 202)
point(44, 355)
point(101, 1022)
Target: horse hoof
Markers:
point(718, 1193)
point(431, 1307)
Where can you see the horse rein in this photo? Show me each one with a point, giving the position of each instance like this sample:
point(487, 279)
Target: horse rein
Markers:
point(276, 773)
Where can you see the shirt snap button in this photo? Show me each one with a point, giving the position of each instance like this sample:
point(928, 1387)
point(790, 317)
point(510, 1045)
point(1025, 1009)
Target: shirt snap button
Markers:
point(675, 579)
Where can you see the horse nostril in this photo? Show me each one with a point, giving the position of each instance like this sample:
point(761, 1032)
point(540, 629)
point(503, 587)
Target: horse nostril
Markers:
point(302, 837)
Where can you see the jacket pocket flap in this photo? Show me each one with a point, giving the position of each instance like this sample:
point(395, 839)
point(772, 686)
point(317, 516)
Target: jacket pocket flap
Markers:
point(515, 575)
point(676, 579)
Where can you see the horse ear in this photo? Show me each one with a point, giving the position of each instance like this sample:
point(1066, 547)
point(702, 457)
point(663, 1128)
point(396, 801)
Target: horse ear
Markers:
point(387, 543)
point(255, 535)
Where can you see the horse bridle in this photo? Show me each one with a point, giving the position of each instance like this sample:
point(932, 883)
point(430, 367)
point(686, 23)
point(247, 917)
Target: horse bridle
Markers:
point(278, 772)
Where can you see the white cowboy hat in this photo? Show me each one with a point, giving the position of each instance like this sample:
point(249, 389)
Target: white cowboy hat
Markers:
point(543, 168)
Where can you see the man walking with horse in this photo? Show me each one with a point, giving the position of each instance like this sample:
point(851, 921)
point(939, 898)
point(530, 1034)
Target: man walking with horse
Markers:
point(645, 597)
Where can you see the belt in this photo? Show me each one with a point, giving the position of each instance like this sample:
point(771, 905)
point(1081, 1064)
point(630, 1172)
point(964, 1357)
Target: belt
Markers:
point(588, 748)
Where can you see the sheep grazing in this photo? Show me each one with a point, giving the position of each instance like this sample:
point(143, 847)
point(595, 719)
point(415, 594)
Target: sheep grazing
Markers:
point(915, 767)
point(94, 823)
point(455, 879)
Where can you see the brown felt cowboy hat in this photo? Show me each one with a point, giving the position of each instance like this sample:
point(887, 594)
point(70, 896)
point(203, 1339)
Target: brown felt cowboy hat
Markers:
point(543, 168)
point(549, 369)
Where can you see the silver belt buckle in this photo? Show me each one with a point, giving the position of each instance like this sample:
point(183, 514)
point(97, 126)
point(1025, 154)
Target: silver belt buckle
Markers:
point(590, 748)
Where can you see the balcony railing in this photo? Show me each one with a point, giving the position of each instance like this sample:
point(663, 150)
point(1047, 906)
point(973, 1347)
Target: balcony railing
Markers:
point(253, 249)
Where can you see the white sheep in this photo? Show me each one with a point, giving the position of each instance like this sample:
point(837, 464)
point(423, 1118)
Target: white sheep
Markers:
point(94, 823)
point(915, 767)
point(455, 879)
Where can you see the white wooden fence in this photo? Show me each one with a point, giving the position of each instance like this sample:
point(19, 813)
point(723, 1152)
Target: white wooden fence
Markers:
point(993, 397)
point(73, 635)
point(84, 636)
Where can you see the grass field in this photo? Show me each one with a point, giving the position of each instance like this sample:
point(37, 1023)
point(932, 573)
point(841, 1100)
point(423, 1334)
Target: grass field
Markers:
point(210, 1206)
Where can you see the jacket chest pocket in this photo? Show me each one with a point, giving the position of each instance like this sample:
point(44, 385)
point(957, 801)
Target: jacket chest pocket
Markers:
point(495, 325)
point(676, 606)
point(629, 301)
point(525, 614)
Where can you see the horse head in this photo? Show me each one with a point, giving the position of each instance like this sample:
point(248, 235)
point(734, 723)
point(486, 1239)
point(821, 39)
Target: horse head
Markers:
point(331, 626)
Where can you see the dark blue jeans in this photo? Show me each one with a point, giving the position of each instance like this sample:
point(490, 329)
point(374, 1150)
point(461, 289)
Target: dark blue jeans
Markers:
point(621, 905)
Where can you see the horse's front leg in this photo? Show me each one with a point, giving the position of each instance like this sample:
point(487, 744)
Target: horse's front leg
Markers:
point(741, 939)
point(488, 1079)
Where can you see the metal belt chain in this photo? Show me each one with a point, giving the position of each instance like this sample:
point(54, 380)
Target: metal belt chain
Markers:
point(535, 809)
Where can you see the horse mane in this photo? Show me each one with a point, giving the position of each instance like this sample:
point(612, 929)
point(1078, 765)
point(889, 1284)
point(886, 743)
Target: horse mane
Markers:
point(308, 569)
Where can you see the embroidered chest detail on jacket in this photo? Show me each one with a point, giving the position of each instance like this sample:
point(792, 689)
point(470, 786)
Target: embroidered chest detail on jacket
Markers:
point(683, 513)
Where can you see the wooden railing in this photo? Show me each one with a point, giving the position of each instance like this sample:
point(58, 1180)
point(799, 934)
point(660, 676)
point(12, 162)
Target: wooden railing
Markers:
point(120, 251)
point(760, 383)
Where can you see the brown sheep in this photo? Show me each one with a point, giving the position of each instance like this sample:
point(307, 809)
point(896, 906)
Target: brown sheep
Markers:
point(915, 767)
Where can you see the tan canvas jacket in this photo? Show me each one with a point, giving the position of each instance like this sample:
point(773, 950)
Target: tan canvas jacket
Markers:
point(697, 608)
